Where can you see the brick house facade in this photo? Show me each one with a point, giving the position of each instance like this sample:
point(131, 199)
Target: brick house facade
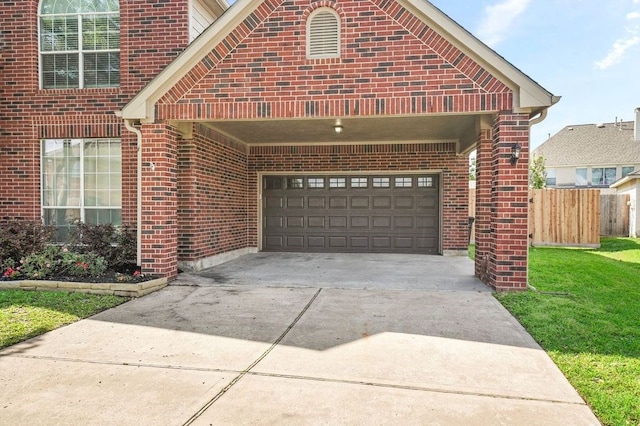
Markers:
point(221, 120)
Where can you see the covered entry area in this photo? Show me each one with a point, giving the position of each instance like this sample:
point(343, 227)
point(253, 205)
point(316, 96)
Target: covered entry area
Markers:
point(244, 101)
point(351, 213)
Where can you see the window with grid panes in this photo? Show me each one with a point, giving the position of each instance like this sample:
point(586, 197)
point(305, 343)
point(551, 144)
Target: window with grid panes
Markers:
point(81, 180)
point(79, 44)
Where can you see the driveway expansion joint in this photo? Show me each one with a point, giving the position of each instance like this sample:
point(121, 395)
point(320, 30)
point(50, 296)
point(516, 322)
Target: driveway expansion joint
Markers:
point(412, 388)
point(246, 371)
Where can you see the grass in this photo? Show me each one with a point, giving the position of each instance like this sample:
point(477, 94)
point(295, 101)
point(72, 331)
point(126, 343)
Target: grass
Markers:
point(586, 315)
point(26, 314)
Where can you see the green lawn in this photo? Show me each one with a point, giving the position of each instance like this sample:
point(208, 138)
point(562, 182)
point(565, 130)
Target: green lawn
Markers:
point(590, 325)
point(25, 314)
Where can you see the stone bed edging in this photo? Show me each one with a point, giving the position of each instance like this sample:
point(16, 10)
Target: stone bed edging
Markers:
point(115, 289)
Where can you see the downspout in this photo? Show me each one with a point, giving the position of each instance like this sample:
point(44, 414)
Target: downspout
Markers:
point(128, 123)
point(539, 118)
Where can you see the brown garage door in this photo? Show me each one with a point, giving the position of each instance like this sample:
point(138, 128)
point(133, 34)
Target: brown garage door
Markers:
point(381, 214)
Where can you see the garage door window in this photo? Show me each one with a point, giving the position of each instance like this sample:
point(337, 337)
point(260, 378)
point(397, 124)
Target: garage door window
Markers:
point(315, 183)
point(359, 182)
point(273, 183)
point(337, 183)
point(404, 182)
point(295, 183)
point(381, 182)
point(425, 182)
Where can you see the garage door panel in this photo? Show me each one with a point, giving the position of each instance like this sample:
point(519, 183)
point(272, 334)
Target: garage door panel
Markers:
point(316, 202)
point(403, 242)
point(381, 202)
point(316, 242)
point(339, 242)
point(426, 222)
point(404, 222)
point(381, 242)
point(275, 242)
point(295, 202)
point(359, 222)
point(337, 222)
point(295, 221)
point(359, 242)
point(385, 215)
point(382, 222)
point(404, 202)
point(274, 221)
point(295, 241)
point(427, 202)
point(316, 221)
point(337, 202)
point(359, 202)
point(274, 202)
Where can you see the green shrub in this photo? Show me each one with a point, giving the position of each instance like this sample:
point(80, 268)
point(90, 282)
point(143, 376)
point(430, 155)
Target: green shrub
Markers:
point(117, 245)
point(20, 238)
point(56, 261)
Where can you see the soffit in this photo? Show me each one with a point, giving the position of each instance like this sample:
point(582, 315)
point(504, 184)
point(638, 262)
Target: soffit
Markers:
point(457, 128)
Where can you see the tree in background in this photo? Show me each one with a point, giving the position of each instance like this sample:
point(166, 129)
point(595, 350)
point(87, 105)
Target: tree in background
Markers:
point(473, 167)
point(537, 173)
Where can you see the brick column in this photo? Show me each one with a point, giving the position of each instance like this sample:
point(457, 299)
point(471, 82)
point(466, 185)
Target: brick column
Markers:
point(484, 173)
point(508, 232)
point(159, 200)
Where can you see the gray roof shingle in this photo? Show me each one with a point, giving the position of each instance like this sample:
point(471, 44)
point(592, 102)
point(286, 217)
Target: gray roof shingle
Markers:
point(591, 144)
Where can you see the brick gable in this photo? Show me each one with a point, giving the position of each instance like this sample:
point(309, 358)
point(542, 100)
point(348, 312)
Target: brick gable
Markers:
point(391, 63)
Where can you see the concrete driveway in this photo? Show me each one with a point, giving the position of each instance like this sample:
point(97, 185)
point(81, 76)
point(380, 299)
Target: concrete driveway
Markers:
point(295, 339)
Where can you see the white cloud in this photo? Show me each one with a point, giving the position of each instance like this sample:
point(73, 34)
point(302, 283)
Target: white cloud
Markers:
point(622, 45)
point(617, 52)
point(499, 18)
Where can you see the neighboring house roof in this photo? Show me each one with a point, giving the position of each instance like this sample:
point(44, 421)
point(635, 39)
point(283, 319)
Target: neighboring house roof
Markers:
point(630, 177)
point(529, 96)
point(591, 144)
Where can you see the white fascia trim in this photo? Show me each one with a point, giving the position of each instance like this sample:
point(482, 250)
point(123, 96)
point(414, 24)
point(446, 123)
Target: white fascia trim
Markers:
point(529, 95)
point(217, 6)
point(142, 106)
point(623, 181)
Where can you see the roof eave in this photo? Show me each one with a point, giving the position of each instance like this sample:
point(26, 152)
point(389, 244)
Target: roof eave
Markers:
point(529, 95)
point(142, 106)
point(624, 180)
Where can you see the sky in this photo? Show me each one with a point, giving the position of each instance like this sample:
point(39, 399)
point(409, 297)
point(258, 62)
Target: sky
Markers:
point(586, 51)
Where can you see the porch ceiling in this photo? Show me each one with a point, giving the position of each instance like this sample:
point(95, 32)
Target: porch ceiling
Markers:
point(462, 128)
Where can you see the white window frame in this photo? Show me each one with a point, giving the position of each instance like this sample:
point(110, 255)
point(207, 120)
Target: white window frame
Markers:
point(312, 16)
point(80, 51)
point(82, 207)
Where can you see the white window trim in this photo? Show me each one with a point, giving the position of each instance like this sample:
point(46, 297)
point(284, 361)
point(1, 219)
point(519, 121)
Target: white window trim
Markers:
point(80, 52)
point(339, 33)
point(82, 207)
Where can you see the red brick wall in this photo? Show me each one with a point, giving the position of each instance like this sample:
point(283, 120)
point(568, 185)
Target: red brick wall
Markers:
point(510, 203)
point(212, 196)
point(160, 200)
point(151, 37)
point(390, 63)
point(384, 157)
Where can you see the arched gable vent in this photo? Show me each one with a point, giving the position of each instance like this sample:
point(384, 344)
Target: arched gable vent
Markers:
point(323, 34)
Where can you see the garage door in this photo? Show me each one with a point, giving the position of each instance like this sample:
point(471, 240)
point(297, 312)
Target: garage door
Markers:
point(377, 214)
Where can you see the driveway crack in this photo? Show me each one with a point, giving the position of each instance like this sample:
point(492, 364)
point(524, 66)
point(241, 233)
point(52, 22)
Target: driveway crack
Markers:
point(244, 372)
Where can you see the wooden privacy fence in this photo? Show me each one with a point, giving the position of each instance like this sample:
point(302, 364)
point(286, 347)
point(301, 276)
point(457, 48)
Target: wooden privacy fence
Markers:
point(614, 217)
point(565, 217)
